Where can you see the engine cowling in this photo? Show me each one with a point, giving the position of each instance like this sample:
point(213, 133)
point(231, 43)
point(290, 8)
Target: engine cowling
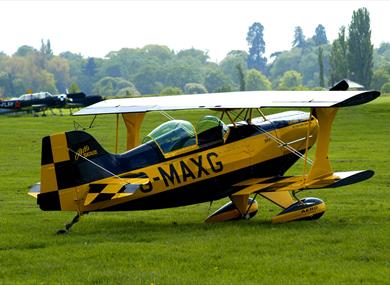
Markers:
point(229, 212)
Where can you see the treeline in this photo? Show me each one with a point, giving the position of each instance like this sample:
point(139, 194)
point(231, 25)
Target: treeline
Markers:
point(311, 63)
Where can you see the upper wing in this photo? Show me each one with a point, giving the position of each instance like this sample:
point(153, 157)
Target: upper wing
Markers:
point(232, 100)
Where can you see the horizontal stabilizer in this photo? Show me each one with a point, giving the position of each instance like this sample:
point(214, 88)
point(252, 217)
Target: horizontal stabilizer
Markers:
point(115, 188)
point(35, 190)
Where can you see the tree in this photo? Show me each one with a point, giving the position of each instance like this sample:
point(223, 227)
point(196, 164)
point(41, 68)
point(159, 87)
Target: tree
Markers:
point(6, 85)
point(386, 88)
point(241, 75)
point(171, 91)
point(287, 60)
point(179, 73)
point(321, 66)
point(229, 65)
point(114, 86)
point(338, 58)
point(128, 91)
point(255, 80)
point(320, 36)
point(74, 88)
point(299, 38)
point(291, 80)
point(149, 79)
point(59, 67)
point(162, 53)
point(197, 54)
point(45, 54)
point(381, 76)
point(256, 48)
point(194, 88)
point(90, 67)
point(25, 51)
point(360, 49)
point(46, 49)
point(216, 81)
point(381, 55)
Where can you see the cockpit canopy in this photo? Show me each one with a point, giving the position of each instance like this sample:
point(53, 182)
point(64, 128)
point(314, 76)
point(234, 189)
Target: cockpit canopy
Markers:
point(173, 135)
point(34, 96)
point(178, 135)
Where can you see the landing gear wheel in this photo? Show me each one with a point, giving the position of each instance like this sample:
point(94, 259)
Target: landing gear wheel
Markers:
point(303, 209)
point(68, 226)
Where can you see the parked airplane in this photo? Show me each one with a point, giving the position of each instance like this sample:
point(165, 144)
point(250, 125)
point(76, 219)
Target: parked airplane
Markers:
point(179, 164)
point(79, 100)
point(41, 101)
point(33, 102)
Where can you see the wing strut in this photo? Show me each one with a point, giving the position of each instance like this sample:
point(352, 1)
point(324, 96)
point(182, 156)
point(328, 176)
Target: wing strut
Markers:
point(307, 147)
point(321, 166)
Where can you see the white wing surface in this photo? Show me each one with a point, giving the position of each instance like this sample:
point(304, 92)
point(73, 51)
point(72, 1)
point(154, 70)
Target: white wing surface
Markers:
point(231, 100)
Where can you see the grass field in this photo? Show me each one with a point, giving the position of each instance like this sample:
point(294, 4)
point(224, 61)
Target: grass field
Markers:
point(350, 244)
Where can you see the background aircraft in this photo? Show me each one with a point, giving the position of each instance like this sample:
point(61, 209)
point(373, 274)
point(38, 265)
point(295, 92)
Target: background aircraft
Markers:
point(79, 100)
point(33, 102)
point(41, 101)
point(179, 164)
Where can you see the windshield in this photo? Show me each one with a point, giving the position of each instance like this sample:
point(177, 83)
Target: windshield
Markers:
point(173, 135)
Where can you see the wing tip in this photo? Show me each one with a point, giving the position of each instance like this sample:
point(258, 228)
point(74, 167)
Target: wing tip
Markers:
point(359, 99)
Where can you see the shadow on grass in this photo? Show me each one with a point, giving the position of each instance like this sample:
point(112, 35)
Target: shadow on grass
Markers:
point(147, 230)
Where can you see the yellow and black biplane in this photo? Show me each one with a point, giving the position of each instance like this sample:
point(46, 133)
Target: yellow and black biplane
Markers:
point(179, 164)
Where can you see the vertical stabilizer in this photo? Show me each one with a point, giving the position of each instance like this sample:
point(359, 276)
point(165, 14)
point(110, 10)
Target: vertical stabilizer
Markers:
point(66, 168)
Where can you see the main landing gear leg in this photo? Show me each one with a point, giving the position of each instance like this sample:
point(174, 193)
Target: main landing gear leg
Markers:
point(68, 226)
point(294, 194)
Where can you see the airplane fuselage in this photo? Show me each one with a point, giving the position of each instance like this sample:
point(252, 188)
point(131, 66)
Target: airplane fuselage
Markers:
point(212, 173)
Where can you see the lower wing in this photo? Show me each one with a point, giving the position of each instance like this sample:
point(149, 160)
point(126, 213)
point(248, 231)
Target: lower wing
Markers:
point(275, 188)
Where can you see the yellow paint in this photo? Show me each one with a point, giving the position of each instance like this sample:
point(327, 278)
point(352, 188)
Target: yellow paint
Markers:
point(112, 188)
point(252, 181)
point(72, 199)
point(304, 213)
point(116, 133)
point(321, 166)
point(85, 151)
point(90, 197)
point(121, 195)
point(307, 144)
point(241, 203)
point(227, 216)
point(133, 123)
point(33, 194)
point(179, 151)
point(233, 214)
point(59, 147)
point(232, 156)
point(48, 178)
point(282, 199)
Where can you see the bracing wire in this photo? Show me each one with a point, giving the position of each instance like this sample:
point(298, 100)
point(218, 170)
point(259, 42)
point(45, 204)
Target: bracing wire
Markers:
point(171, 118)
point(165, 114)
point(78, 126)
point(94, 163)
point(283, 144)
point(268, 134)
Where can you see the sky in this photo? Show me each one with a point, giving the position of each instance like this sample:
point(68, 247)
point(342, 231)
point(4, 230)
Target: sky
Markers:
point(94, 28)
